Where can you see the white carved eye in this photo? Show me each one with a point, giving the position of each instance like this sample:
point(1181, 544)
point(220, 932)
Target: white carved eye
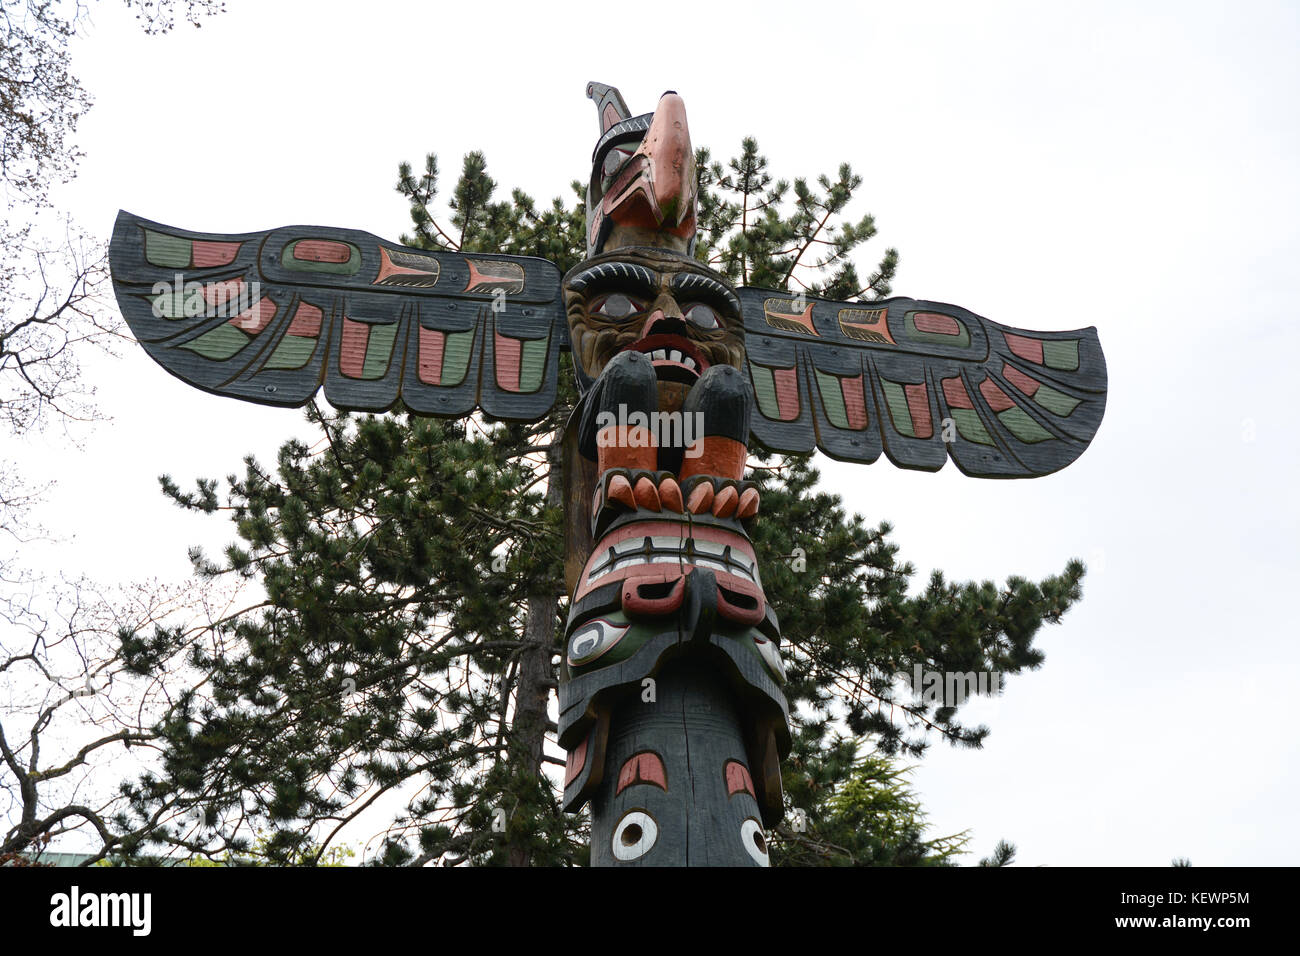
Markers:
point(593, 639)
point(614, 161)
point(702, 316)
point(751, 834)
point(634, 836)
point(617, 306)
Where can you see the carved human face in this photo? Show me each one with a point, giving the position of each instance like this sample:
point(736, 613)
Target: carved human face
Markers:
point(683, 315)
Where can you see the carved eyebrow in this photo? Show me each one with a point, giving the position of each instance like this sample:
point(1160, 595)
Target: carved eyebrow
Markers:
point(623, 275)
point(698, 286)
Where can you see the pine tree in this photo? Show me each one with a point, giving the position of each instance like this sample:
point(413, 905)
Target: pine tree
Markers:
point(407, 648)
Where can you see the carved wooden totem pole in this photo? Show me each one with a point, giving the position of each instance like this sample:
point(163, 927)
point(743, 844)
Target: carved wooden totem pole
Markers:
point(671, 707)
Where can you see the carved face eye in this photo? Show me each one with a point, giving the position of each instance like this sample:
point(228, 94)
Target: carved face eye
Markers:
point(593, 639)
point(751, 834)
point(614, 161)
point(702, 316)
point(616, 306)
point(634, 836)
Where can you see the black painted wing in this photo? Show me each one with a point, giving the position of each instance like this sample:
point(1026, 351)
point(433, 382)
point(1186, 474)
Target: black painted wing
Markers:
point(271, 316)
point(921, 381)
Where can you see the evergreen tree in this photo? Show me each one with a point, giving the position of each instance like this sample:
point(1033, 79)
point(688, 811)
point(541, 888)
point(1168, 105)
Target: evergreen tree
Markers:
point(401, 665)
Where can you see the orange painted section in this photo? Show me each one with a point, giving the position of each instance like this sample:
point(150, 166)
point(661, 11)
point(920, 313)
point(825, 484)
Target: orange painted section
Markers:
point(723, 457)
point(626, 446)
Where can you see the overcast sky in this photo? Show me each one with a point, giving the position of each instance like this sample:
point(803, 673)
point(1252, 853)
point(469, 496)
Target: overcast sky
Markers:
point(1132, 167)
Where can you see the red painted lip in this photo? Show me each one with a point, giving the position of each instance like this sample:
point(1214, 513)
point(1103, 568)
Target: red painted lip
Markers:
point(668, 343)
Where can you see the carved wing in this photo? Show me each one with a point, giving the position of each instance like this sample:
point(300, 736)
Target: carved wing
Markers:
point(920, 381)
point(271, 316)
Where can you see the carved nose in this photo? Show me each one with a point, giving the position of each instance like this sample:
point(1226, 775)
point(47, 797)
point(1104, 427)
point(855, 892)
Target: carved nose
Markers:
point(659, 324)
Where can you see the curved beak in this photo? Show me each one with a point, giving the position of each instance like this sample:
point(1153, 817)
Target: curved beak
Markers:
point(656, 189)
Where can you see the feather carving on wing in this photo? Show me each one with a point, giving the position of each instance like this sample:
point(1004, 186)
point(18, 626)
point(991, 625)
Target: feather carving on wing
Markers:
point(921, 381)
point(272, 316)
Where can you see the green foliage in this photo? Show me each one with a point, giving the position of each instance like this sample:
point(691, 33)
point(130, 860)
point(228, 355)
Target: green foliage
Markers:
point(747, 234)
point(872, 818)
point(412, 566)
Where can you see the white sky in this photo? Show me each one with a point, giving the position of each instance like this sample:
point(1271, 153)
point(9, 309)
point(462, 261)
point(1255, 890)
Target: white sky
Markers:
point(1049, 167)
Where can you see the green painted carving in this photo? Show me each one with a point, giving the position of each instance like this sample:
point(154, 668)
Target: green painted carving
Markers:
point(221, 343)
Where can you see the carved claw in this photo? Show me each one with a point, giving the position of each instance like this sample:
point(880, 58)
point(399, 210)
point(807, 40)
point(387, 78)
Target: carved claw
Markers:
point(670, 494)
point(647, 496)
point(724, 504)
point(748, 506)
point(620, 490)
point(701, 498)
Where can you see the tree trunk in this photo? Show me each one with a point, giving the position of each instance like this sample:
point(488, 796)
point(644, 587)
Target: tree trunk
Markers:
point(536, 676)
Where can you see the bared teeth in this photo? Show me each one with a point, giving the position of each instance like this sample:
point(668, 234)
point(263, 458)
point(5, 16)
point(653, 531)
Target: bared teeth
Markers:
point(674, 355)
point(659, 354)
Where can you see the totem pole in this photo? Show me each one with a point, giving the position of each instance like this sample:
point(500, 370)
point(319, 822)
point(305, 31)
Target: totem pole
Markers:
point(671, 703)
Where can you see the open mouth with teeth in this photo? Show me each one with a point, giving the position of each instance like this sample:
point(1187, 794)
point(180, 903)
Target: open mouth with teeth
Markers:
point(651, 566)
point(674, 358)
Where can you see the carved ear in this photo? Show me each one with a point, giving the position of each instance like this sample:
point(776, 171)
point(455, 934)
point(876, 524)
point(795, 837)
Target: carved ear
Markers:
point(610, 108)
point(922, 381)
point(272, 316)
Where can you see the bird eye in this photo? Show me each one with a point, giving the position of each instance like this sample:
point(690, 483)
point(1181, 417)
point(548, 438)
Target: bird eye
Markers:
point(614, 161)
point(702, 316)
point(616, 306)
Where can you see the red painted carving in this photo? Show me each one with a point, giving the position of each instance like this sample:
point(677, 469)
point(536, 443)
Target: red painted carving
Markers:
point(208, 254)
point(254, 319)
point(787, 393)
point(1020, 380)
point(507, 362)
point(738, 779)
point(854, 402)
point(642, 768)
point(919, 406)
point(936, 324)
point(1031, 350)
point(574, 762)
point(997, 399)
point(352, 353)
point(431, 343)
point(955, 393)
point(322, 250)
point(306, 321)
